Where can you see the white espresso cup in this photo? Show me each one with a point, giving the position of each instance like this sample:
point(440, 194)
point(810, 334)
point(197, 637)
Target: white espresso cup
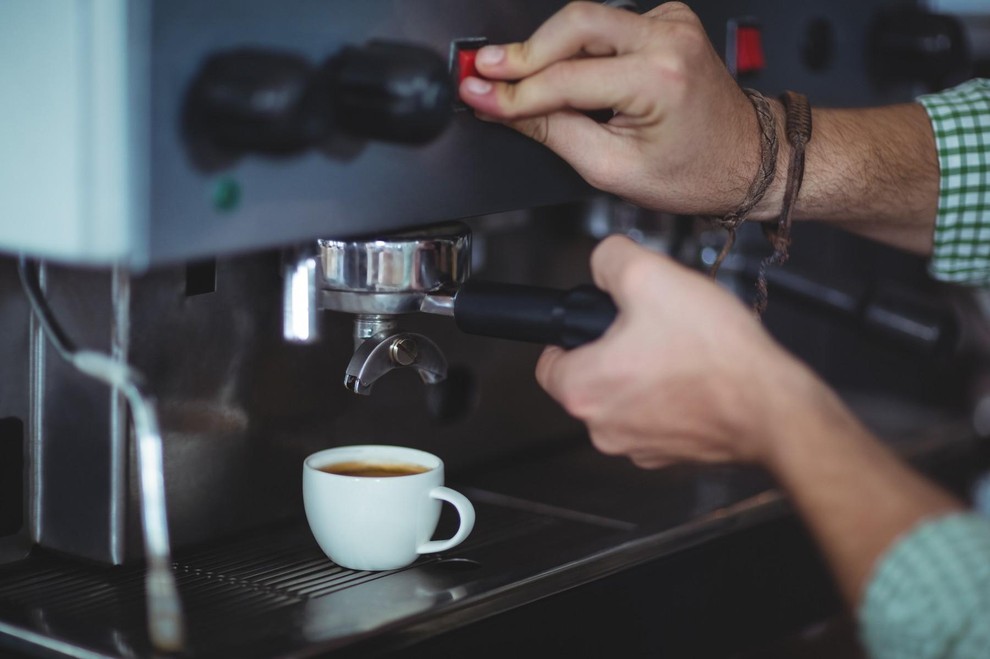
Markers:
point(379, 521)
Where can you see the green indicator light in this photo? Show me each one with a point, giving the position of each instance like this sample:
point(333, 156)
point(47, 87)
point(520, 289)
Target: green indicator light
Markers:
point(226, 194)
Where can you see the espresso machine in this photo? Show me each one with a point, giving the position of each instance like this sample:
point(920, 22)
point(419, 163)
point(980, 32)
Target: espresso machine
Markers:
point(236, 232)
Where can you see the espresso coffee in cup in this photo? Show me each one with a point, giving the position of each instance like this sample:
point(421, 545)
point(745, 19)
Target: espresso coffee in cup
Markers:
point(373, 469)
point(375, 507)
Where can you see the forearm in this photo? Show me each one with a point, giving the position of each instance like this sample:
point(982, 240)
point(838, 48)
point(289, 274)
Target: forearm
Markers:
point(872, 171)
point(854, 494)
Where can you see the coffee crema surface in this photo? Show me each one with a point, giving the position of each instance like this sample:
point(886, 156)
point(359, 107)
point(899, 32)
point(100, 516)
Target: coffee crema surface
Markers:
point(373, 469)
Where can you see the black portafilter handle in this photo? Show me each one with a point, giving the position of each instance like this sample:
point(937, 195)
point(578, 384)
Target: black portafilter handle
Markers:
point(571, 318)
point(566, 318)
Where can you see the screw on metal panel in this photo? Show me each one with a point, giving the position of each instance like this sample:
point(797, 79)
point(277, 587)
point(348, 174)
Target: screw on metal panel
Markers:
point(403, 352)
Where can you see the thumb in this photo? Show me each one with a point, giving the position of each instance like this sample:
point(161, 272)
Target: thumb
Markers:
point(612, 259)
point(628, 271)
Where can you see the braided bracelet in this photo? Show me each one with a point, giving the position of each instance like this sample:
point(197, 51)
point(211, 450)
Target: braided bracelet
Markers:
point(764, 176)
point(798, 129)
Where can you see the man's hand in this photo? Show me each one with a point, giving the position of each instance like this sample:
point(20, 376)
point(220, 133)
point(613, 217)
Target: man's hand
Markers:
point(684, 137)
point(684, 373)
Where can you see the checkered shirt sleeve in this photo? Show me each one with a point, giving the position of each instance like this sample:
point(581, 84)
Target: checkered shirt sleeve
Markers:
point(961, 121)
point(929, 597)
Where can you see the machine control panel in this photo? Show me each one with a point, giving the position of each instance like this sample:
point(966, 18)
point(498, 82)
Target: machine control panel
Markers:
point(258, 101)
point(182, 130)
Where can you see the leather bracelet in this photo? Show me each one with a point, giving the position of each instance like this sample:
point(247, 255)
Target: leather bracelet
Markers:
point(764, 176)
point(798, 130)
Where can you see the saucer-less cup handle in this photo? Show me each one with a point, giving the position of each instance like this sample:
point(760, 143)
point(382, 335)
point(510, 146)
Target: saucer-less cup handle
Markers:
point(464, 509)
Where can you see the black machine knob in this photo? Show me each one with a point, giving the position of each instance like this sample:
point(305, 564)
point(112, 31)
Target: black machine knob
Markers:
point(261, 101)
point(390, 91)
point(911, 45)
point(254, 100)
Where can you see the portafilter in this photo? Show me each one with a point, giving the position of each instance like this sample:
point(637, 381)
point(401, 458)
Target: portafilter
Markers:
point(426, 270)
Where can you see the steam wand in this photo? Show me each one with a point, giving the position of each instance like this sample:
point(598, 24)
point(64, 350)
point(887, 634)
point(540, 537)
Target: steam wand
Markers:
point(166, 623)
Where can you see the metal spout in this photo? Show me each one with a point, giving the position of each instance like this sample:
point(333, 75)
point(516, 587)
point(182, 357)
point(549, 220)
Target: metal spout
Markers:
point(386, 351)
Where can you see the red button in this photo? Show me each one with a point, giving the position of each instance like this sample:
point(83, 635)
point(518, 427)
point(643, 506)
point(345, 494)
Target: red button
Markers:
point(749, 50)
point(465, 64)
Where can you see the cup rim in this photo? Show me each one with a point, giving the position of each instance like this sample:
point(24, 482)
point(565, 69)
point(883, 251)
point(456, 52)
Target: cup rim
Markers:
point(314, 461)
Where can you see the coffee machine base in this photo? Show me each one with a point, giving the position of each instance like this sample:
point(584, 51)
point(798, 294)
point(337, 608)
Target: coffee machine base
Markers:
point(620, 558)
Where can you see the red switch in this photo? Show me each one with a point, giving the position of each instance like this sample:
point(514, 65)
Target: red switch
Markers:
point(463, 52)
point(465, 64)
point(749, 50)
point(462, 55)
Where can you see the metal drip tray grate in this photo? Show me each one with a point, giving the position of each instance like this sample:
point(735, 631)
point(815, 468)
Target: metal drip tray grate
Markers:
point(235, 582)
point(287, 564)
point(269, 593)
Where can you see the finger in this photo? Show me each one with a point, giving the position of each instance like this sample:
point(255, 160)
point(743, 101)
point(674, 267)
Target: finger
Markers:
point(585, 84)
point(673, 11)
point(650, 462)
point(564, 375)
point(610, 260)
point(679, 448)
point(627, 270)
point(688, 450)
point(559, 371)
point(607, 442)
point(545, 365)
point(580, 28)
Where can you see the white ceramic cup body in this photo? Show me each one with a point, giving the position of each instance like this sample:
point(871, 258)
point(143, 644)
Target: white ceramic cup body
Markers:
point(368, 523)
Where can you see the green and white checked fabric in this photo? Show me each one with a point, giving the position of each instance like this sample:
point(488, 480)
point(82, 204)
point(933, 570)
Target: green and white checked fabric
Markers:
point(929, 597)
point(961, 120)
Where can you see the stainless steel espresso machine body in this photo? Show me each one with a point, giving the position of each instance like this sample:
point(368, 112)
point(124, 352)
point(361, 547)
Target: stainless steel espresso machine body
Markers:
point(124, 79)
point(253, 210)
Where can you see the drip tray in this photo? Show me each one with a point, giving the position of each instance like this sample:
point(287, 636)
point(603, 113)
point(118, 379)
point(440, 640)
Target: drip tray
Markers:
point(274, 593)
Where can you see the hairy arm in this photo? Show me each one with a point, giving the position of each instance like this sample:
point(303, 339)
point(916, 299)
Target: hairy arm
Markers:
point(684, 137)
point(856, 497)
point(873, 171)
point(658, 387)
